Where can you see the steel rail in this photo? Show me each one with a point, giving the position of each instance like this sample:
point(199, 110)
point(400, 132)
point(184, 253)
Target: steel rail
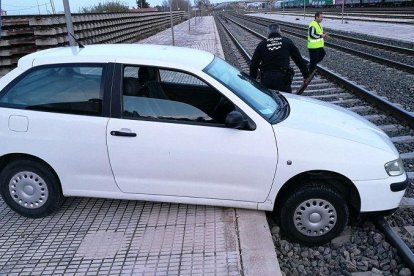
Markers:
point(383, 61)
point(393, 109)
point(403, 250)
point(380, 14)
point(405, 10)
point(398, 65)
point(367, 17)
point(395, 19)
point(244, 52)
point(379, 45)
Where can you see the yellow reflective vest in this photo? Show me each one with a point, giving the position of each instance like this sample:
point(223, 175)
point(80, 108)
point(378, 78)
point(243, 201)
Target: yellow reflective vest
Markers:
point(318, 42)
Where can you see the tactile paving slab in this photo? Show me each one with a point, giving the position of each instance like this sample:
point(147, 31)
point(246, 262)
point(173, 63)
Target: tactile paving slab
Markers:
point(106, 237)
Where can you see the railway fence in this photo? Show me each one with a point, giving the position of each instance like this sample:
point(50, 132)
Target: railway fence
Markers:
point(21, 35)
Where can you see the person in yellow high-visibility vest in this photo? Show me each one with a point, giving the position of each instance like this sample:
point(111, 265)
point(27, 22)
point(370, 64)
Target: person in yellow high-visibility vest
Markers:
point(316, 37)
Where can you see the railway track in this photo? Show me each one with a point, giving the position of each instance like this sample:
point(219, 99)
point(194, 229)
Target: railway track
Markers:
point(379, 18)
point(364, 10)
point(394, 109)
point(398, 16)
point(379, 45)
point(330, 87)
point(392, 56)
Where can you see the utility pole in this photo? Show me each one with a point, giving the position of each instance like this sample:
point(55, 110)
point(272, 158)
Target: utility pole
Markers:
point(189, 16)
point(69, 24)
point(172, 24)
point(38, 8)
point(304, 12)
point(343, 7)
point(53, 6)
point(0, 18)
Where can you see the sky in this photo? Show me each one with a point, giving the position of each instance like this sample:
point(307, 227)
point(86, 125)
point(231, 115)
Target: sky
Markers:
point(21, 7)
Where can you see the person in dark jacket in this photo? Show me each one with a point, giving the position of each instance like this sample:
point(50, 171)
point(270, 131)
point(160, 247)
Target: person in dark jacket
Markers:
point(272, 56)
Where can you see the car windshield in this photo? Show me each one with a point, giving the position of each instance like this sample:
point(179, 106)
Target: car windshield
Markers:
point(264, 101)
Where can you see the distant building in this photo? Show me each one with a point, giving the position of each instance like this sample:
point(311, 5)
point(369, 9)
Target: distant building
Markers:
point(3, 12)
point(144, 10)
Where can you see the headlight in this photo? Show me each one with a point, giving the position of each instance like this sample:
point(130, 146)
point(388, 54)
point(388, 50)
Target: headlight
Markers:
point(395, 168)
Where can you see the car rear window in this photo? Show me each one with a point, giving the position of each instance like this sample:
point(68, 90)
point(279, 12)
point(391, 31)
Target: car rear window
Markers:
point(62, 88)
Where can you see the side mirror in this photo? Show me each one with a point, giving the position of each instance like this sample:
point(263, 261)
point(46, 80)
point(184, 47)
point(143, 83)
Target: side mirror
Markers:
point(235, 120)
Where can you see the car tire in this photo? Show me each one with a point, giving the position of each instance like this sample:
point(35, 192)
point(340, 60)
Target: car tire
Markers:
point(30, 188)
point(313, 215)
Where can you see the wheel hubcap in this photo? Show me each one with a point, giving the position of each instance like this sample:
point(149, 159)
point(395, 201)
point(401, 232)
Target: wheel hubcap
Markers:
point(28, 190)
point(315, 217)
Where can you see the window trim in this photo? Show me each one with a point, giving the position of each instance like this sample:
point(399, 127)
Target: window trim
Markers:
point(107, 73)
point(117, 93)
point(282, 98)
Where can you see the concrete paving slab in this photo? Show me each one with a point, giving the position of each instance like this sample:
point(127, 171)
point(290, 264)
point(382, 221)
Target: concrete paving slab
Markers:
point(256, 244)
point(407, 202)
point(387, 30)
point(202, 35)
point(121, 237)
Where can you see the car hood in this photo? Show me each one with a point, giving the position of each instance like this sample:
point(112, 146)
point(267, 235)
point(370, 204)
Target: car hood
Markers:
point(314, 116)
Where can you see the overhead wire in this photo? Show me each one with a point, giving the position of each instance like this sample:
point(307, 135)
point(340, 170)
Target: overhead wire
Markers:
point(22, 8)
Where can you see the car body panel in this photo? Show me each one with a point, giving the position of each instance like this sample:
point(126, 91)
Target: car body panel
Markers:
point(253, 165)
point(375, 194)
point(158, 55)
point(9, 77)
point(332, 139)
point(74, 145)
point(318, 136)
point(193, 161)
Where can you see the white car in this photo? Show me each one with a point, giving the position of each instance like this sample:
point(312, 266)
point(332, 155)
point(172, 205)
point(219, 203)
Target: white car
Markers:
point(161, 123)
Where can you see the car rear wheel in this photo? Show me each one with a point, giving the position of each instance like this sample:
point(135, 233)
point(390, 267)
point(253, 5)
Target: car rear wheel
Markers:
point(313, 215)
point(30, 188)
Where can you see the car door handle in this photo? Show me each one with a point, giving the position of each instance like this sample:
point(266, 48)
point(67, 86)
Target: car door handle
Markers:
point(124, 134)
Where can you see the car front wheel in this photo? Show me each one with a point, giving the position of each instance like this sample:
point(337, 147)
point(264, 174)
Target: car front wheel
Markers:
point(313, 215)
point(30, 188)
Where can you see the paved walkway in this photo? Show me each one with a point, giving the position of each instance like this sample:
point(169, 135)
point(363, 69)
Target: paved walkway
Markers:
point(89, 236)
point(394, 31)
point(203, 35)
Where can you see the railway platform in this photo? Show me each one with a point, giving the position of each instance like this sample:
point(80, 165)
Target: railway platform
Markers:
point(390, 30)
point(89, 236)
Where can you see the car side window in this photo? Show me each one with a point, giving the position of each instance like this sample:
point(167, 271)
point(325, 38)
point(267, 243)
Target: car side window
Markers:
point(167, 76)
point(74, 89)
point(152, 93)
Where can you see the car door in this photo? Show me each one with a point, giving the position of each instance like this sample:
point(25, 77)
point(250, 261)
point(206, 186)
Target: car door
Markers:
point(57, 113)
point(173, 142)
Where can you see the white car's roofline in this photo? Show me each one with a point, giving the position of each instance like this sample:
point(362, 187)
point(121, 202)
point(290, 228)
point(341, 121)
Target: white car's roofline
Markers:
point(104, 53)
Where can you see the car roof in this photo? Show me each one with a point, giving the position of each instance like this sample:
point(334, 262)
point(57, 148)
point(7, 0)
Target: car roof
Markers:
point(146, 54)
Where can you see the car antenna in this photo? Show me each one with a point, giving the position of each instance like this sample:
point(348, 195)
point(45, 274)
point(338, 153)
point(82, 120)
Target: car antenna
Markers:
point(77, 41)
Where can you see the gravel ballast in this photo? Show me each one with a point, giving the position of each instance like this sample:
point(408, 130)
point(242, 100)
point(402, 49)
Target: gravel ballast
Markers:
point(397, 86)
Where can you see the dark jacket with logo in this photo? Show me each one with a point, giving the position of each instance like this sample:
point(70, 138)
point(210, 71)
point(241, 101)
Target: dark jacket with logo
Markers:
point(273, 54)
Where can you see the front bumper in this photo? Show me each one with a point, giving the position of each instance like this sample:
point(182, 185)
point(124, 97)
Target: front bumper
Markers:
point(399, 186)
point(378, 195)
